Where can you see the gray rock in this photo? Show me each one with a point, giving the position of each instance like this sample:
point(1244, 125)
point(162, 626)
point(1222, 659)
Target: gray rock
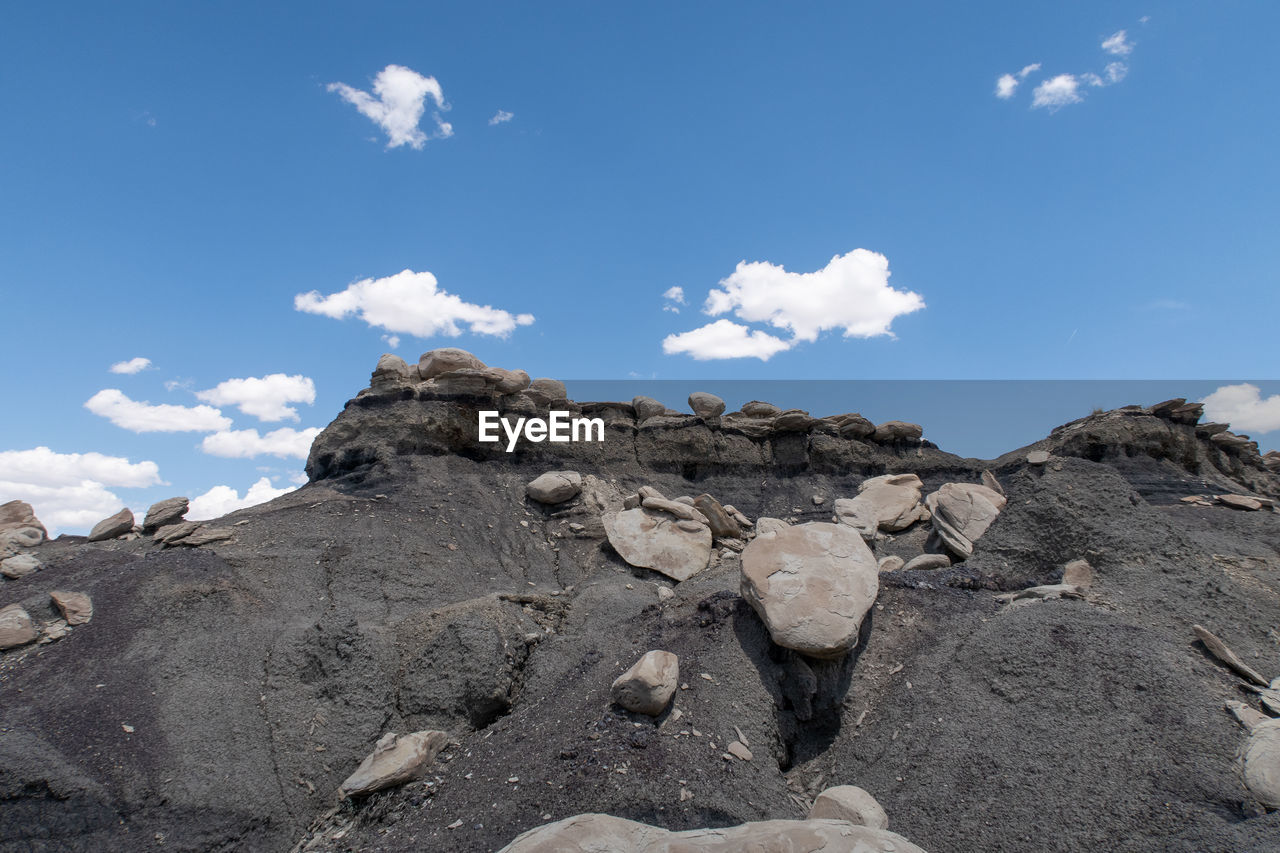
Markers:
point(15, 539)
point(394, 761)
point(723, 525)
point(16, 627)
point(890, 502)
point(811, 584)
point(76, 607)
point(552, 389)
point(19, 566)
point(891, 563)
point(655, 540)
point(1078, 573)
point(165, 512)
point(926, 562)
point(205, 535)
point(555, 487)
point(116, 525)
point(18, 515)
point(706, 405)
point(989, 480)
point(793, 420)
point(1037, 457)
point(647, 687)
point(856, 427)
point(760, 409)
point(647, 407)
point(507, 381)
point(172, 533)
point(851, 803)
point(391, 370)
point(962, 512)
point(445, 360)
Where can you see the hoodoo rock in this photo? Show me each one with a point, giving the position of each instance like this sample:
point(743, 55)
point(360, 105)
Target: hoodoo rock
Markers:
point(962, 512)
point(890, 502)
point(113, 526)
point(649, 684)
point(555, 487)
point(653, 539)
point(395, 760)
point(706, 405)
point(811, 584)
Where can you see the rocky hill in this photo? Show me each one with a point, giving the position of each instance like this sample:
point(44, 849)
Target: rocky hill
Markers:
point(437, 644)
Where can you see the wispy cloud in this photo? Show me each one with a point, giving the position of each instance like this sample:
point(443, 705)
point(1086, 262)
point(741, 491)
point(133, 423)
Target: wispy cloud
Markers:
point(399, 105)
point(1244, 407)
point(1007, 84)
point(501, 117)
point(412, 303)
point(674, 297)
point(1117, 44)
point(133, 365)
point(267, 397)
point(1064, 89)
point(140, 416)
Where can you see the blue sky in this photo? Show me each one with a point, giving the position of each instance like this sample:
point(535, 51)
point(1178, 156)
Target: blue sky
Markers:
point(174, 176)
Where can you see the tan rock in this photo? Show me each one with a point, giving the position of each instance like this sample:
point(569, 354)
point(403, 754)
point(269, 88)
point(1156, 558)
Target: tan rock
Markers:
point(656, 540)
point(926, 562)
point(897, 431)
point(175, 532)
point(706, 405)
point(1078, 573)
point(723, 525)
point(1037, 457)
point(811, 584)
point(204, 535)
point(17, 515)
point(851, 803)
point(394, 761)
point(1240, 502)
point(989, 480)
point(109, 528)
point(647, 687)
point(962, 512)
point(16, 627)
point(391, 370)
point(739, 751)
point(678, 508)
point(1261, 756)
point(76, 607)
point(555, 487)
point(760, 409)
point(890, 502)
point(891, 563)
point(19, 566)
point(446, 359)
point(165, 512)
point(552, 389)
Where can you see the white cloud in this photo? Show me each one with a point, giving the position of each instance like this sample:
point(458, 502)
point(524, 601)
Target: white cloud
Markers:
point(1244, 408)
point(1057, 92)
point(1116, 71)
point(1117, 44)
point(411, 302)
point(247, 443)
point(399, 105)
point(266, 397)
point(501, 116)
point(69, 490)
point(393, 341)
point(675, 298)
point(221, 500)
point(114, 405)
point(1007, 84)
point(133, 365)
point(725, 339)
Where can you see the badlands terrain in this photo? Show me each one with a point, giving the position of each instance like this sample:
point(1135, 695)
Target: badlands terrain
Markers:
point(712, 630)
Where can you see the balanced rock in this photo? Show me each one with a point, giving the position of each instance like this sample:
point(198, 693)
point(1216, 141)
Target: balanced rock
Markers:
point(392, 370)
point(446, 360)
point(165, 512)
point(890, 502)
point(596, 833)
point(649, 684)
point(962, 512)
point(706, 405)
point(811, 584)
point(855, 426)
point(18, 515)
point(16, 627)
point(19, 566)
point(76, 607)
point(394, 761)
point(109, 528)
point(851, 803)
point(555, 487)
point(897, 431)
point(507, 381)
point(652, 539)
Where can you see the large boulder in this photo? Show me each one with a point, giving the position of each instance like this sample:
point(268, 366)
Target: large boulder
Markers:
point(851, 803)
point(392, 370)
point(647, 407)
point(597, 833)
point(552, 389)
point(16, 627)
point(962, 512)
point(113, 526)
point(395, 760)
point(890, 502)
point(706, 405)
point(17, 515)
point(445, 360)
point(649, 684)
point(165, 512)
point(811, 584)
point(555, 487)
point(1262, 762)
point(654, 539)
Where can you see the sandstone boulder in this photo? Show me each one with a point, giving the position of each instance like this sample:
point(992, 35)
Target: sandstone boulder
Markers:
point(1245, 502)
point(890, 502)
point(898, 431)
point(555, 487)
point(855, 426)
point(507, 381)
point(723, 525)
point(16, 627)
point(598, 833)
point(1262, 762)
point(14, 540)
point(652, 539)
point(19, 566)
point(394, 761)
point(445, 360)
point(165, 512)
point(391, 370)
point(811, 584)
point(649, 684)
point(989, 480)
point(962, 512)
point(760, 409)
point(1037, 457)
point(851, 803)
point(205, 535)
point(891, 563)
point(1078, 573)
point(76, 607)
point(18, 515)
point(706, 405)
point(927, 562)
point(109, 528)
point(552, 389)
point(647, 407)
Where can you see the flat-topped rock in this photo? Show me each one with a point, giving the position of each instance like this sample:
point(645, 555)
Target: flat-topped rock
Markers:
point(446, 360)
point(76, 607)
point(653, 539)
point(165, 512)
point(851, 803)
point(898, 431)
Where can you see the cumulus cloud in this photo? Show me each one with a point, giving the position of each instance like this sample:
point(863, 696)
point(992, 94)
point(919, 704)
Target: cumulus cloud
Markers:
point(1244, 407)
point(413, 303)
point(1117, 44)
point(133, 365)
point(135, 416)
point(724, 339)
point(221, 500)
point(501, 116)
point(285, 442)
point(1057, 92)
point(265, 397)
point(69, 490)
point(1007, 84)
point(399, 105)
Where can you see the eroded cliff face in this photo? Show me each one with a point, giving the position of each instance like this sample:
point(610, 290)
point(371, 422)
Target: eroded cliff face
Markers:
point(413, 585)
